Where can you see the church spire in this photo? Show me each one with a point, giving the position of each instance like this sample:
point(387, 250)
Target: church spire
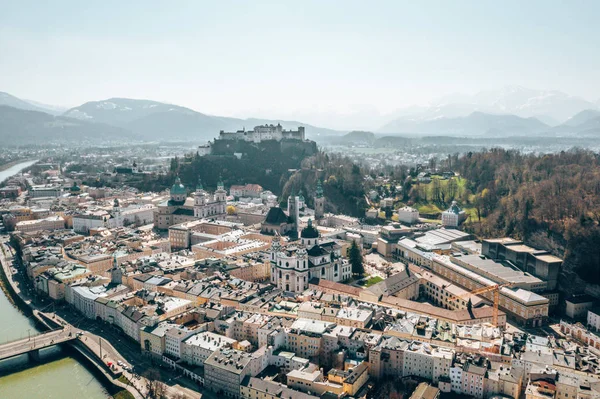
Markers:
point(319, 189)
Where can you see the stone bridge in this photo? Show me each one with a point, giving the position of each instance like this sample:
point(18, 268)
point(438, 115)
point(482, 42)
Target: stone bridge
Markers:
point(33, 344)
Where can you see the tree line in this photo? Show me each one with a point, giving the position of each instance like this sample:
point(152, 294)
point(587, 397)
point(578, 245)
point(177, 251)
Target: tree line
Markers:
point(555, 195)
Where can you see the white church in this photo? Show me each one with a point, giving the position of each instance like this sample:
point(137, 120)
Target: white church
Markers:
point(293, 266)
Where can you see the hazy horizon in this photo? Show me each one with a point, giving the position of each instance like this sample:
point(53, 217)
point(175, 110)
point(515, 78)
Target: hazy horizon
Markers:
point(330, 64)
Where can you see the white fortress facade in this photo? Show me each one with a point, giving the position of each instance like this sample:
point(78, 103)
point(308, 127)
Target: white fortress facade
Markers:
point(263, 133)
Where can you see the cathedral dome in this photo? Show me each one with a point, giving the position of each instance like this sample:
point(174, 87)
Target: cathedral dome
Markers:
point(178, 188)
point(309, 231)
point(75, 188)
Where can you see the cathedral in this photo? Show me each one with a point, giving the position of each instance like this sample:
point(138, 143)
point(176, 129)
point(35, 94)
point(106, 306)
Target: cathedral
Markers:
point(180, 208)
point(210, 205)
point(292, 267)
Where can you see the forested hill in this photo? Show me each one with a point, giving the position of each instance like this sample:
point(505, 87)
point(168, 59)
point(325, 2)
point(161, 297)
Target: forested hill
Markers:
point(342, 183)
point(239, 162)
point(552, 201)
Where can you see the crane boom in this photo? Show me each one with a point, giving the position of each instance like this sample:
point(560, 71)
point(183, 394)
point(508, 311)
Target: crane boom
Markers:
point(495, 289)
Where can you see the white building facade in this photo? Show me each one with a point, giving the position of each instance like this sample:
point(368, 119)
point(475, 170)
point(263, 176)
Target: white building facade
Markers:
point(292, 269)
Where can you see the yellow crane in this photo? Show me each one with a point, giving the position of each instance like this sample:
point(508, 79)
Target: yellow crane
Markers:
point(495, 289)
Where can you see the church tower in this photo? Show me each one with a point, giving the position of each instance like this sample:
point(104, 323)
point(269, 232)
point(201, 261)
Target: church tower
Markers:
point(200, 201)
point(294, 212)
point(220, 197)
point(319, 201)
point(116, 214)
point(220, 193)
point(116, 273)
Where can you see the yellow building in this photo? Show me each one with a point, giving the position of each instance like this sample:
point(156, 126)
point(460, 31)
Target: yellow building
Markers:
point(527, 307)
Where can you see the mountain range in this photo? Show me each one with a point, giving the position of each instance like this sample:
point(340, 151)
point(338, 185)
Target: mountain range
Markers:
point(23, 122)
point(549, 106)
point(15, 102)
point(21, 126)
point(512, 111)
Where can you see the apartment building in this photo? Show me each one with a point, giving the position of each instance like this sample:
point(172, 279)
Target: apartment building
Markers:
point(226, 368)
point(256, 388)
point(50, 223)
point(198, 347)
point(304, 337)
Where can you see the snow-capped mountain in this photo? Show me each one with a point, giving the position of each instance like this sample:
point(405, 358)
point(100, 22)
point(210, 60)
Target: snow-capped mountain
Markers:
point(548, 106)
point(154, 120)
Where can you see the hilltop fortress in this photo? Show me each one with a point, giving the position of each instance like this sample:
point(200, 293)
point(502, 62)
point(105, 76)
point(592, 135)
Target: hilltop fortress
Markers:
point(262, 133)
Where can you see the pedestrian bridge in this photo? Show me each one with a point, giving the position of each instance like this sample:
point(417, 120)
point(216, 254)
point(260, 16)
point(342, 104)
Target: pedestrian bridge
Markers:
point(33, 344)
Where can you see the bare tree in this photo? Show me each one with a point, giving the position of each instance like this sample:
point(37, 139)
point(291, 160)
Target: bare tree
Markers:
point(156, 388)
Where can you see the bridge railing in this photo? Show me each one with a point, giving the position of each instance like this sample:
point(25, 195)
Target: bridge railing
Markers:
point(35, 335)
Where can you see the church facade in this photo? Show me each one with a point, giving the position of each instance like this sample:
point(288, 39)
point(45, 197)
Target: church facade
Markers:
point(208, 205)
point(180, 208)
point(292, 267)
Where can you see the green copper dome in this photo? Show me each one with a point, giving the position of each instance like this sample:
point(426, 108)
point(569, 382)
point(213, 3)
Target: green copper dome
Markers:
point(300, 196)
point(178, 188)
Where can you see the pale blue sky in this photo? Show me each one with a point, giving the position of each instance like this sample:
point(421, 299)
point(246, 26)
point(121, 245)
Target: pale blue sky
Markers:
point(284, 58)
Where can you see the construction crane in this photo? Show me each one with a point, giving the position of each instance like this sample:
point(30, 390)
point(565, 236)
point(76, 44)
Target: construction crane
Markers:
point(495, 289)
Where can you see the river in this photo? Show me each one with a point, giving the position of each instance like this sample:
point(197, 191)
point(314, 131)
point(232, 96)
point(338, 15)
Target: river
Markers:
point(58, 376)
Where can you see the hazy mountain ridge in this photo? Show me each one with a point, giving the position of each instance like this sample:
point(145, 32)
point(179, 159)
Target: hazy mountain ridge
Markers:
point(486, 114)
point(475, 124)
point(154, 120)
point(19, 126)
point(15, 102)
point(582, 117)
point(355, 137)
point(550, 107)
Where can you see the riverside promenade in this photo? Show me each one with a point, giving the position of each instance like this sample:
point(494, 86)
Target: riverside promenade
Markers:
point(89, 346)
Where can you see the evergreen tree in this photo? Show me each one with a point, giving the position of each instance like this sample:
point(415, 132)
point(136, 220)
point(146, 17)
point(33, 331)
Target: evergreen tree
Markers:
point(356, 260)
point(470, 308)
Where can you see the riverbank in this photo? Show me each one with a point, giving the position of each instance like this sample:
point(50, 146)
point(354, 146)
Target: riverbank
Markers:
point(95, 367)
point(13, 163)
point(8, 288)
point(12, 168)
